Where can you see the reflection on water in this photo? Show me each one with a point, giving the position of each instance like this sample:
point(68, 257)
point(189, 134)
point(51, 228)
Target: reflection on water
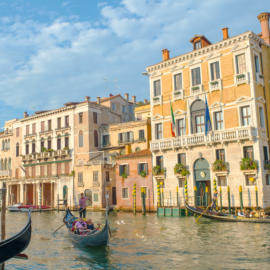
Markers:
point(149, 242)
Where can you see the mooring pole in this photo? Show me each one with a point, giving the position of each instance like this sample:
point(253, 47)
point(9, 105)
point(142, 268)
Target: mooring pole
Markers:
point(220, 197)
point(143, 200)
point(3, 217)
point(229, 199)
point(257, 201)
point(241, 198)
point(134, 199)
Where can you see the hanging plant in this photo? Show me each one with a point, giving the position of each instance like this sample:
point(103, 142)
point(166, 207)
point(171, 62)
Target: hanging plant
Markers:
point(143, 173)
point(248, 164)
point(157, 170)
point(219, 165)
point(181, 169)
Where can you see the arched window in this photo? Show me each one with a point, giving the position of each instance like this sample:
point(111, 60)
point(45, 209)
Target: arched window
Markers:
point(17, 149)
point(8, 144)
point(95, 138)
point(42, 145)
point(9, 163)
point(5, 164)
point(66, 141)
point(3, 145)
point(197, 111)
point(33, 146)
point(49, 143)
point(17, 173)
point(80, 139)
point(27, 148)
point(58, 142)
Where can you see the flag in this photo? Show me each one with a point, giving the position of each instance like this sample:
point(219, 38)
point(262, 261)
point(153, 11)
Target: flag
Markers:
point(208, 125)
point(173, 122)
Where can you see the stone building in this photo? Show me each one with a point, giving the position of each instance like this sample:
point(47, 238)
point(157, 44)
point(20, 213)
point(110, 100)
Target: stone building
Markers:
point(233, 77)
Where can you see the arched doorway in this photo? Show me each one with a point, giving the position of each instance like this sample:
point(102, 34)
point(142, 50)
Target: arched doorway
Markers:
point(197, 111)
point(202, 180)
point(65, 194)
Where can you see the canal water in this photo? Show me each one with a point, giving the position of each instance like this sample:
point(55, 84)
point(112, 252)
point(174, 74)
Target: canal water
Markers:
point(146, 242)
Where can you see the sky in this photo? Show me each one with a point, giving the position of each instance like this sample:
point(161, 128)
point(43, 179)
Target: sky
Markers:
point(56, 51)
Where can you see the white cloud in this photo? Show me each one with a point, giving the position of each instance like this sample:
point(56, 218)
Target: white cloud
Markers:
point(45, 65)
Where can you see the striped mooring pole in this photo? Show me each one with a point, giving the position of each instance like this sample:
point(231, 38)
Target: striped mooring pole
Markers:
point(143, 200)
point(257, 200)
point(206, 196)
point(134, 199)
point(158, 195)
point(220, 198)
point(229, 199)
point(215, 190)
point(186, 195)
point(162, 194)
point(195, 193)
point(241, 197)
point(177, 196)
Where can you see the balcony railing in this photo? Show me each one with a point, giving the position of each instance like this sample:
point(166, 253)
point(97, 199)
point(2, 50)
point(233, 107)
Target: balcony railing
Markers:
point(5, 173)
point(157, 100)
point(259, 79)
point(30, 135)
point(215, 85)
point(218, 136)
point(46, 155)
point(241, 78)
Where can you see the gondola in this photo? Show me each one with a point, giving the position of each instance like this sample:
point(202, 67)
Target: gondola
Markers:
point(91, 239)
point(224, 217)
point(14, 245)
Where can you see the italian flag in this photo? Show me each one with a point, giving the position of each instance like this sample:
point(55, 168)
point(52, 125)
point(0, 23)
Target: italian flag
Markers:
point(173, 122)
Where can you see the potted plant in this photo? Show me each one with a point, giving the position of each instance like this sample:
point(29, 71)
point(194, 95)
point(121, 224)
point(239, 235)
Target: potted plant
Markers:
point(157, 170)
point(240, 76)
point(43, 149)
point(219, 165)
point(248, 164)
point(181, 169)
point(194, 88)
point(143, 173)
point(214, 83)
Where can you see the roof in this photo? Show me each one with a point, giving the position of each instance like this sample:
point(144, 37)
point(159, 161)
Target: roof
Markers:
point(200, 37)
point(109, 98)
point(141, 153)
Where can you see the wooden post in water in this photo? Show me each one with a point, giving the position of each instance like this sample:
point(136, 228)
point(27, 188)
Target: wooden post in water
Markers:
point(143, 200)
point(177, 196)
point(195, 193)
point(241, 197)
point(215, 191)
point(257, 201)
point(206, 196)
point(3, 217)
point(134, 199)
point(229, 199)
point(158, 195)
point(186, 195)
point(220, 198)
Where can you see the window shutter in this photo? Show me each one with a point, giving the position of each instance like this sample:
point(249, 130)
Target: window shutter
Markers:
point(146, 168)
point(131, 136)
point(127, 169)
point(138, 167)
point(120, 170)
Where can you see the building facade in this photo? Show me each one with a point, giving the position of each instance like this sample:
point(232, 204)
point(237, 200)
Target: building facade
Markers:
point(230, 79)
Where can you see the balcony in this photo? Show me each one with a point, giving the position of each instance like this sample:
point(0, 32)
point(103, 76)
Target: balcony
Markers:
point(96, 184)
point(179, 94)
point(218, 136)
point(62, 128)
point(157, 100)
point(259, 79)
point(45, 155)
point(126, 141)
point(45, 131)
point(241, 78)
point(196, 89)
point(215, 85)
point(5, 173)
point(30, 135)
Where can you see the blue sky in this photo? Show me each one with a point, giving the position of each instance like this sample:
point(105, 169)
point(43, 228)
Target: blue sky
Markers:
point(55, 51)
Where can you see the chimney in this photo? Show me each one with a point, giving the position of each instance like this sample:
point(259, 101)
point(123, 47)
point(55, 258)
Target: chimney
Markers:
point(225, 32)
point(133, 99)
point(264, 20)
point(111, 94)
point(25, 114)
point(165, 55)
point(86, 98)
point(98, 100)
point(145, 101)
point(126, 96)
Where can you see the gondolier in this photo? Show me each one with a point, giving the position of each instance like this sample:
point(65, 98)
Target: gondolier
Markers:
point(82, 203)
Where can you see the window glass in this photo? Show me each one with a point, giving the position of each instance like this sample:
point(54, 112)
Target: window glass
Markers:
point(124, 193)
point(240, 63)
point(245, 115)
point(95, 197)
point(221, 180)
point(262, 123)
point(141, 134)
point(157, 90)
point(177, 81)
point(80, 179)
point(181, 158)
point(267, 179)
point(80, 117)
point(158, 131)
point(180, 127)
point(196, 76)
point(215, 73)
point(218, 120)
point(197, 45)
point(257, 63)
point(248, 152)
point(159, 161)
point(199, 121)
point(95, 117)
point(80, 139)
point(220, 154)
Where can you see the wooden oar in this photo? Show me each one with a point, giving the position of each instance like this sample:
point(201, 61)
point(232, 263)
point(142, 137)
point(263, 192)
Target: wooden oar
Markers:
point(64, 223)
point(202, 213)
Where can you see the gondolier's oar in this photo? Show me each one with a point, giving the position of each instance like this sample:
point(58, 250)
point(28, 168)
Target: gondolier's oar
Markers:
point(64, 223)
point(202, 213)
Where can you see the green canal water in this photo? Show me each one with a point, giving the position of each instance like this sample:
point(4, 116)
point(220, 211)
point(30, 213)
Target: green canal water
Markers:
point(148, 242)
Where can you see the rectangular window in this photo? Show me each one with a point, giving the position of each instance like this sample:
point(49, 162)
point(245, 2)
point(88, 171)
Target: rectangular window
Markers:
point(199, 121)
point(95, 138)
point(197, 45)
point(218, 116)
point(80, 179)
point(257, 63)
point(124, 193)
point(17, 132)
point(220, 154)
point(250, 180)
point(95, 197)
point(95, 176)
point(27, 129)
point(66, 121)
point(143, 167)
point(95, 117)
point(120, 137)
point(105, 140)
point(42, 171)
point(123, 109)
point(58, 122)
point(42, 126)
point(67, 171)
point(196, 76)
point(267, 179)
point(123, 169)
point(178, 81)
point(245, 116)
point(265, 153)
point(262, 123)
point(159, 161)
point(180, 127)
point(141, 135)
point(221, 181)
point(214, 69)
point(158, 131)
point(49, 170)
point(113, 107)
point(181, 158)
point(107, 176)
point(49, 124)
point(80, 117)
point(157, 90)
point(240, 63)
point(34, 128)
point(181, 182)
point(248, 152)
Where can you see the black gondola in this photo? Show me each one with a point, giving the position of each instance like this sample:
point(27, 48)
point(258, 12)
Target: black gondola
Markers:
point(224, 217)
point(14, 245)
